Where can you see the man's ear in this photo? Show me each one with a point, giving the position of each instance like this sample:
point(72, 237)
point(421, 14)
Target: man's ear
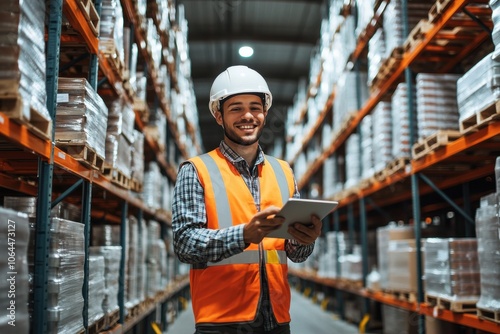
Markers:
point(218, 117)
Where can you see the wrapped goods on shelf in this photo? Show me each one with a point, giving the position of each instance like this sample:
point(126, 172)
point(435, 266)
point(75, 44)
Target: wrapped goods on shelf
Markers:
point(393, 20)
point(156, 129)
point(479, 87)
point(153, 43)
point(346, 97)
point(152, 193)
point(365, 10)
point(132, 262)
point(65, 276)
point(376, 54)
point(111, 29)
point(488, 248)
point(66, 211)
point(14, 285)
point(137, 158)
point(118, 154)
point(452, 268)
point(347, 38)
point(121, 118)
point(81, 116)
point(160, 10)
point(332, 179)
point(141, 260)
point(153, 261)
point(352, 161)
point(497, 173)
point(437, 107)
point(399, 321)
point(402, 266)
point(351, 265)
point(401, 122)
point(97, 286)
point(167, 193)
point(384, 235)
point(22, 64)
point(495, 35)
point(367, 153)
point(382, 135)
point(112, 256)
point(105, 235)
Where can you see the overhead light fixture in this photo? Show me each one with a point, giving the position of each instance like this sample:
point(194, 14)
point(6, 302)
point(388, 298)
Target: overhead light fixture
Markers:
point(246, 51)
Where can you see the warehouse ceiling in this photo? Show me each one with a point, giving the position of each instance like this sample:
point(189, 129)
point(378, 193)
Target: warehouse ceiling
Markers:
point(284, 36)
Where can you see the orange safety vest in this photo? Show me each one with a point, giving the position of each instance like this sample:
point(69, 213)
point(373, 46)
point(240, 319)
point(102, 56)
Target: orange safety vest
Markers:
point(229, 291)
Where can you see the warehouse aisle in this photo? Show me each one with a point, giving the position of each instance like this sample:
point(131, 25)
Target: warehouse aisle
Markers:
point(307, 317)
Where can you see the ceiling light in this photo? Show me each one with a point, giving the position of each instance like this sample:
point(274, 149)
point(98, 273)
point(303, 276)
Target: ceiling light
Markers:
point(246, 51)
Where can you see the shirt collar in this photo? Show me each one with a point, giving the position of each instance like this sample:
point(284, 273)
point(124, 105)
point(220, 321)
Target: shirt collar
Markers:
point(235, 158)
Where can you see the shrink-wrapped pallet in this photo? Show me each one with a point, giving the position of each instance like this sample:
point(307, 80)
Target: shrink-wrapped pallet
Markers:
point(352, 161)
point(22, 56)
point(451, 268)
point(402, 135)
point(479, 87)
point(81, 115)
point(437, 107)
point(14, 283)
point(382, 135)
point(97, 288)
point(112, 257)
point(384, 235)
point(488, 247)
point(402, 266)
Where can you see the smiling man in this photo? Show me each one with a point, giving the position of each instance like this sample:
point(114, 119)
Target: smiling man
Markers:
point(224, 206)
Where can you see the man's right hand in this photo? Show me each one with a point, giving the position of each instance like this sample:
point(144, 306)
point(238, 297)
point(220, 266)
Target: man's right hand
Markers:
point(261, 224)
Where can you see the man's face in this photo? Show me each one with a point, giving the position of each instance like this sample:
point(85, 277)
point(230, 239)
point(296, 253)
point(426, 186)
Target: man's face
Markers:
point(243, 119)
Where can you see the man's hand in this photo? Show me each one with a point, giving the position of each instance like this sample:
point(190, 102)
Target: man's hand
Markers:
point(261, 225)
point(306, 234)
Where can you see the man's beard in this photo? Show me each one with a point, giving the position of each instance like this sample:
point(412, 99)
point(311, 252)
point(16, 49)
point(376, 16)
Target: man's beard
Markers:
point(241, 141)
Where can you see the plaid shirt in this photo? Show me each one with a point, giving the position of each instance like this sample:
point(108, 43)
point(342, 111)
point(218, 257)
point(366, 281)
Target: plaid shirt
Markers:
point(194, 243)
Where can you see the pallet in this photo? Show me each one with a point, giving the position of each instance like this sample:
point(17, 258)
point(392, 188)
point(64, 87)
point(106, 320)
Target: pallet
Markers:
point(136, 186)
point(110, 53)
point(116, 176)
point(91, 15)
point(82, 152)
point(490, 315)
point(111, 319)
point(36, 122)
point(480, 118)
point(97, 326)
point(416, 35)
point(407, 296)
point(387, 68)
point(431, 143)
point(458, 306)
point(396, 165)
point(438, 9)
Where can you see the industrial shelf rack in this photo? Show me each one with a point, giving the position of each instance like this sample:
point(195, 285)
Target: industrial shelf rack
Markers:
point(33, 166)
point(435, 169)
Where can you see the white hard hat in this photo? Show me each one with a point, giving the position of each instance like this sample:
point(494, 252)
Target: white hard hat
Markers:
point(238, 80)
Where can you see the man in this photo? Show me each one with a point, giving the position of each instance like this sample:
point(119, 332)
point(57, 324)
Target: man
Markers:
point(225, 204)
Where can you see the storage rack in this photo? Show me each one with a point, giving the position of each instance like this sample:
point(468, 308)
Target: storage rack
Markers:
point(400, 184)
point(33, 166)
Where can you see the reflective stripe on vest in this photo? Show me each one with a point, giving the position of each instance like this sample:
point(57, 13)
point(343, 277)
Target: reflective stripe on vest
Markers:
point(248, 257)
point(280, 176)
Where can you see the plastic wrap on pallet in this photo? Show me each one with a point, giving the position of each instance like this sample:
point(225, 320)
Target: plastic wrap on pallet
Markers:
point(332, 180)
point(81, 115)
point(351, 265)
point(132, 262)
point(366, 141)
point(22, 50)
point(384, 235)
point(66, 211)
point(479, 87)
point(451, 268)
point(401, 134)
point(365, 10)
point(111, 26)
point(137, 167)
point(121, 118)
point(393, 20)
point(118, 154)
point(401, 266)
point(346, 96)
point(152, 188)
point(14, 285)
point(112, 256)
point(97, 288)
point(382, 135)
point(437, 107)
point(352, 161)
point(488, 248)
point(376, 54)
point(495, 34)
point(141, 256)
point(105, 234)
point(65, 276)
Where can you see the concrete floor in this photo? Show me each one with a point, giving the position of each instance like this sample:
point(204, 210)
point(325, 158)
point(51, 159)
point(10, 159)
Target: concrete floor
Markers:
point(307, 318)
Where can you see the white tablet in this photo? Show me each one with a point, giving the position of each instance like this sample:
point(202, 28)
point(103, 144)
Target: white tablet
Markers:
point(298, 210)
